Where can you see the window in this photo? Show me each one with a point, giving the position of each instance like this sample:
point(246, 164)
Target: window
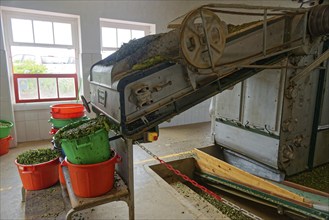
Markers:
point(114, 33)
point(42, 51)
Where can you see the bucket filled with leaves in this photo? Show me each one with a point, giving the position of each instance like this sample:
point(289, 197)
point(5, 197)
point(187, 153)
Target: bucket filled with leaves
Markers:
point(91, 180)
point(85, 142)
point(5, 128)
point(38, 168)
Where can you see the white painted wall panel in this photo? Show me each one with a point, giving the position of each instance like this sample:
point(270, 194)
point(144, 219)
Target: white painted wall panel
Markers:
point(228, 103)
point(262, 99)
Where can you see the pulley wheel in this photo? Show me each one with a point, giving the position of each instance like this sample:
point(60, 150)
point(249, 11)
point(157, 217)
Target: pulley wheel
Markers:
point(318, 20)
point(202, 38)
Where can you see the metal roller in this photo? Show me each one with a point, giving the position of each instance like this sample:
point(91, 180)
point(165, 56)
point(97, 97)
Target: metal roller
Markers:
point(318, 20)
point(203, 37)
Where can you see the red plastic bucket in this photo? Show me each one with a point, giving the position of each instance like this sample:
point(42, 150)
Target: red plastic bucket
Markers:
point(4, 145)
point(91, 180)
point(39, 176)
point(65, 111)
point(61, 175)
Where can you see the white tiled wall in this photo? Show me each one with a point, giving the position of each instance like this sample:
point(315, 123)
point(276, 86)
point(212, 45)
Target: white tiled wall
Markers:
point(6, 108)
point(32, 125)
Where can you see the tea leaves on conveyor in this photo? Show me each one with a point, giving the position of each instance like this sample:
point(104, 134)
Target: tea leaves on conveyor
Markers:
point(37, 156)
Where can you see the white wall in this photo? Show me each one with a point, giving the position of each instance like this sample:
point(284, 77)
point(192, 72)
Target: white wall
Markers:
point(31, 122)
point(6, 108)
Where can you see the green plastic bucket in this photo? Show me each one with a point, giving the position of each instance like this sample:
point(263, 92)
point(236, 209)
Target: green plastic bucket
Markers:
point(5, 127)
point(94, 148)
point(59, 123)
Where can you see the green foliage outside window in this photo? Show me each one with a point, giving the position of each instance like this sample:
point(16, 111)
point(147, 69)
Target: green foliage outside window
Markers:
point(29, 66)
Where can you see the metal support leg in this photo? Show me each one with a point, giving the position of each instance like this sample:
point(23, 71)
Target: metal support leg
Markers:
point(23, 194)
point(69, 214)
point(131, 200)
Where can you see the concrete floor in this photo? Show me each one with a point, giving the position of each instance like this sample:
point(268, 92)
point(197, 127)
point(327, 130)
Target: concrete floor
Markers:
point(154, 198)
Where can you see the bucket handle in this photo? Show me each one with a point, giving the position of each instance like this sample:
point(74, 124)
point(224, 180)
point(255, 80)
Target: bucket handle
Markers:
point(25, 171)
point(89, 144)
point(85, 144)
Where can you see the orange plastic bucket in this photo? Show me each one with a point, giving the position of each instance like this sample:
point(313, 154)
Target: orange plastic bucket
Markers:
point(91, 180)
point(61, 175)
point(39, 176)
point(66, 111)
point(4, 144)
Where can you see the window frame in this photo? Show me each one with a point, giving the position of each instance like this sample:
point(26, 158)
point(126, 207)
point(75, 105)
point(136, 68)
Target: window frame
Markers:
point(122, 24)
point(7, 14)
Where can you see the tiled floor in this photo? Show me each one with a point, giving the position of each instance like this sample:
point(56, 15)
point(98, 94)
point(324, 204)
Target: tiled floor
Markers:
point(154, 198)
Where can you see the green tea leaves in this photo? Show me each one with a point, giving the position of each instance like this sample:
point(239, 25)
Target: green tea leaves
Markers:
point(37, 156)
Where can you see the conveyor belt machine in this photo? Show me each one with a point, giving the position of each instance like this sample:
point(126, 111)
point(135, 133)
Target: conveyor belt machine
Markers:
point(150, 80)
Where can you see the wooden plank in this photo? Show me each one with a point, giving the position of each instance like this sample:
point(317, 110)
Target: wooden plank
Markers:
point(212, 165)
point(304, 188)
point(315, 198)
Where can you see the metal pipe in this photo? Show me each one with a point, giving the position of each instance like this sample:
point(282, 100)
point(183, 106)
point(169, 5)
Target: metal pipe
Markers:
point(264, 32)
point(323, 57)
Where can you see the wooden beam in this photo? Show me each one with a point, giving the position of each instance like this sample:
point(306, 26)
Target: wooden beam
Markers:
point(217, 167)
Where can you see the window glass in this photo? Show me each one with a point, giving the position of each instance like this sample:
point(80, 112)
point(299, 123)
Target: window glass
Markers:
point(66, 87)
point(106, 53)
point(63, 33)
point(48, 88)
point(124, 36)
point(135, 34)
point(43, 60)
point(114, 34)
point(43, 32)
point(28, 88)
point(22, 30)
point(109, 37)
point(42, 50)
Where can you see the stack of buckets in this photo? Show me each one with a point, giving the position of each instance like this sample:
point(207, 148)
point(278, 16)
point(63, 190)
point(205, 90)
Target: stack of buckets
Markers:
point(90, 162)
point(5, 138)
point(64, 114)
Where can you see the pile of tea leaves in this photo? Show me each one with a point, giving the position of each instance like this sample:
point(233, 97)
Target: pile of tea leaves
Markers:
point(148, 63)
point(84, 128)
point(225, 209)
point(316, 178)
point(37, 156)
point(4, 124)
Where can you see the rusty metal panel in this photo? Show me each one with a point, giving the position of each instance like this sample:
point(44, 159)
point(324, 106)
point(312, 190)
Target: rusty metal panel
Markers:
point(286, 108)
point(297, 119)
